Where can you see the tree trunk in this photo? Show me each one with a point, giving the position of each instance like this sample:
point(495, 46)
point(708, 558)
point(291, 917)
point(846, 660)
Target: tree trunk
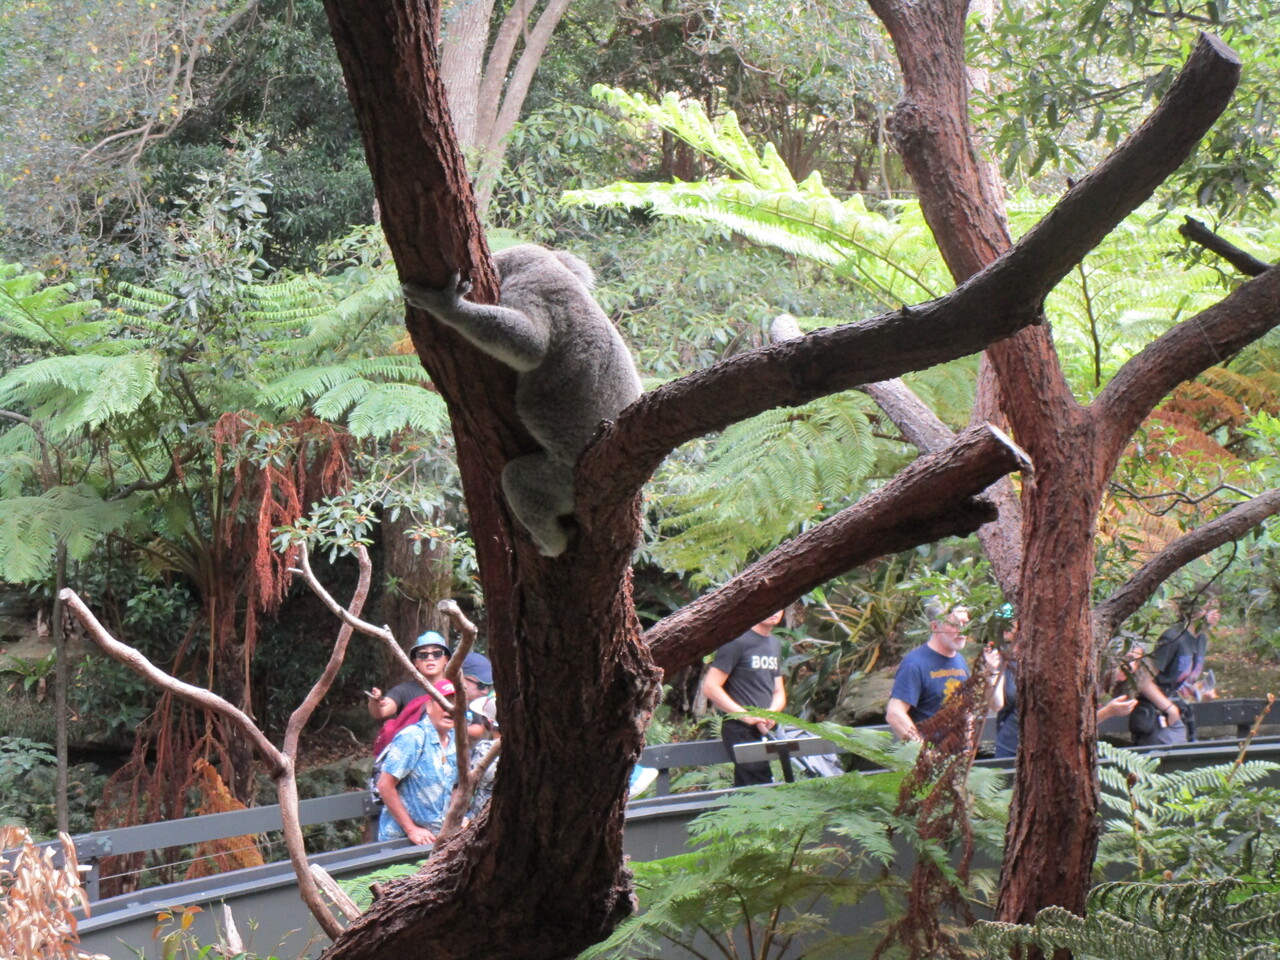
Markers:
point(416, 582)
point(1053, 827)
point(540, 874)
point(462, 54)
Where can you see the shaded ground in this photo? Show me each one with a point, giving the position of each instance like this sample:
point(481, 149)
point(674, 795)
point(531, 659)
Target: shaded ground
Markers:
point(1243, 676)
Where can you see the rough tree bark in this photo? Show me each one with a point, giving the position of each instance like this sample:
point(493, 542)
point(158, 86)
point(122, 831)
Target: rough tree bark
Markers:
point(1052, 835)
point(540, 874)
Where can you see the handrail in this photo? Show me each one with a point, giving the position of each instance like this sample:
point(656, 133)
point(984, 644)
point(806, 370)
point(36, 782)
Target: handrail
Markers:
point(91, 847)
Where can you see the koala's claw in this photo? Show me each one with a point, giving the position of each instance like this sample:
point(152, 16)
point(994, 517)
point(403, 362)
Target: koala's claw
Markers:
point(436, 300)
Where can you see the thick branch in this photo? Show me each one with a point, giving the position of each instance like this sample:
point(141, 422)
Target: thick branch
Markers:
point(992, 305)
point(928, 500)
point(1186, 351)
point(1242, 260)
point(1001, 539)
point(1235, 523)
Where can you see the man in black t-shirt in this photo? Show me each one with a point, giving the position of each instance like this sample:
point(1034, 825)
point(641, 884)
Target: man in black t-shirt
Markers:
point(746, 673)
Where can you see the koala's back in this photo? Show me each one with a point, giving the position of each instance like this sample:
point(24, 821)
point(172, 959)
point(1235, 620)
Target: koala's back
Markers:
point(587, 374)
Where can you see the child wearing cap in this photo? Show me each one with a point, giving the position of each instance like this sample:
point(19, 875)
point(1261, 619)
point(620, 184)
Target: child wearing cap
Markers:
point(483, 730)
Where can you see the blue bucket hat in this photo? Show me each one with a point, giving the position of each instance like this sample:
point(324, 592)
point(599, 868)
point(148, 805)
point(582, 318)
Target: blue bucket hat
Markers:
point(431, 639)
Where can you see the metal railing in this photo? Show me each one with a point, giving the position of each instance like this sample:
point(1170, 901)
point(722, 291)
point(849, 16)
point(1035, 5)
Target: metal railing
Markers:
point(1237, 715)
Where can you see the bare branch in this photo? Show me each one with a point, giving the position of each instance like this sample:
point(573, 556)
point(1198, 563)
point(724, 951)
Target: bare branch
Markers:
point(299, 718)
point(282, 764)
point(135, 661)
point(346, 616)
point(1235, 523)
point(1242, 260)
point(337, 609)
point(460, 799)
point(930, 499)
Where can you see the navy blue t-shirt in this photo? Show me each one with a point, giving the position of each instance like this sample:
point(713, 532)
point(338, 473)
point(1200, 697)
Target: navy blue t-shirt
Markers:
point(925, 679)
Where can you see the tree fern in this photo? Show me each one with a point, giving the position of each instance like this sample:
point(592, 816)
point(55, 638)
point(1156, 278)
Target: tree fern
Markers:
point(773, 473)
point(31, 528)
point(892, 259)
point(768, 868)
point(1222, 920)
point(50, 317)
point(76, 392)
point(1205, 822)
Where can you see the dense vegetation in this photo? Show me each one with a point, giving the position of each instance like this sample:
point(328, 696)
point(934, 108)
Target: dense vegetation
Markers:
point(202, 340)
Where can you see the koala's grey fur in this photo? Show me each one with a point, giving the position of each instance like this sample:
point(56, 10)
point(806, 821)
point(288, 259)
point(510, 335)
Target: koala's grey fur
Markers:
point(574, 371)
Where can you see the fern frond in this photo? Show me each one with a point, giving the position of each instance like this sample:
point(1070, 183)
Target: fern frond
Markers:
point(722, 138)
point(42, 315)
point(1205, 921)
point(389, 408)
point(32, 527)
point(761, 480)
point(341, 321)
point(81, 392)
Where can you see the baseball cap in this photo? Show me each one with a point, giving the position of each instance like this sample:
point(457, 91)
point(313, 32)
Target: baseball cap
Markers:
point(478, 667)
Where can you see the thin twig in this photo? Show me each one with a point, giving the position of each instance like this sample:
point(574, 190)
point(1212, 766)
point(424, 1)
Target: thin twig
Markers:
point(1253, 732)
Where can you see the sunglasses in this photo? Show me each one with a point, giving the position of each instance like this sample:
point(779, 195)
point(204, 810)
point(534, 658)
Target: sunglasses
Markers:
point(429, 655)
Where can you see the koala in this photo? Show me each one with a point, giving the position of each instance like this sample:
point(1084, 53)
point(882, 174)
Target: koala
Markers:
point(574, 371)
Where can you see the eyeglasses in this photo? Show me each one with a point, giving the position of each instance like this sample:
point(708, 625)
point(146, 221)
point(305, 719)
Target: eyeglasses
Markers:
point(429, 654)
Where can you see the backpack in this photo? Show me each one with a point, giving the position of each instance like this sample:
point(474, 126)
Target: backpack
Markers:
point(411, 714)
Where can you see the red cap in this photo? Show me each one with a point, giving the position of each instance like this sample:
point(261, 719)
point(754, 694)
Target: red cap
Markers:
point(444, 686)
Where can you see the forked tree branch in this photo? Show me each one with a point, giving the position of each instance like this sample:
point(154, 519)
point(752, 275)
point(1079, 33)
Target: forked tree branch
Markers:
point(992, 305)
point(930, 499)
point(353, 620)
point(282, 763)
point(1128, 598)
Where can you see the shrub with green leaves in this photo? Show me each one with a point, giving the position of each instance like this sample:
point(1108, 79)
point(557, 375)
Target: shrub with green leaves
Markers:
point(1223, 920)
point(768, 869)
point(1206, 823)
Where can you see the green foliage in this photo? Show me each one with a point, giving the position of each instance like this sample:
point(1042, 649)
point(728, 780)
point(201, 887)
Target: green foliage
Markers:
point(28, 787)
point(32, 527)
point(360, 889)
point(1085, 74)
point(1204, 823)
point(112, 105)
point(890, 260)
point(769, 866)
point(1222, 920)
point(773, 472)
point(29, 671)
